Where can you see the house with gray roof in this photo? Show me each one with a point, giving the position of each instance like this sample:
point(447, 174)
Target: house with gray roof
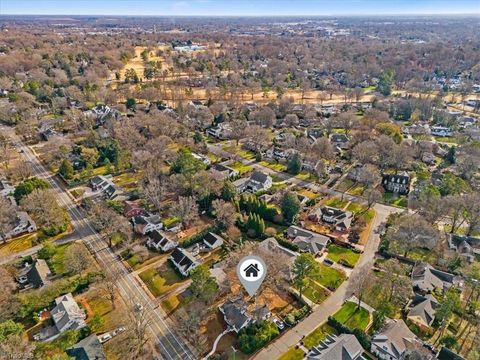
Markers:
point(422, 310)
point(89, 348)
point(393, 341)
point(146, 224)
point(183, 260)
point(466, 246)
point(339, 219)
point(307, 241)
point(258, 181)
point(426, 278)
point(23, 224)
point(342, 347)
point(36, 275)
point(235, 314)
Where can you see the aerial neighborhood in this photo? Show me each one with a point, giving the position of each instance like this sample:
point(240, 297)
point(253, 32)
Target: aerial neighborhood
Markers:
point(141, 158)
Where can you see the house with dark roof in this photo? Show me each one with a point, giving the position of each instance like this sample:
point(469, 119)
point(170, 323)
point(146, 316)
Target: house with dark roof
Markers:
point(339, 219)
point(159, 241)
point(393, 341)
point(341, 347)
point(145, 224)
point(396, 183)
point(426, 278)
point(447, 354)
point(105, 185)
point(235, 314)
point(422, 310)
point(258, 181)
point(36, 275)
point(466, 246)
point(132, 208)
point(89, 348)
point(223, 171)
point(307, 241)
point(339, 141)
point(5, 188)
point(183, 260)
point(212, 241)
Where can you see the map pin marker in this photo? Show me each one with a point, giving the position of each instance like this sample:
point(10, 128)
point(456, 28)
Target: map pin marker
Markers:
point(251, 271)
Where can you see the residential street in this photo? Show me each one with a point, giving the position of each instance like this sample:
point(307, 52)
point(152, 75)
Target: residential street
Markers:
point(170, 344)
point(320, 312)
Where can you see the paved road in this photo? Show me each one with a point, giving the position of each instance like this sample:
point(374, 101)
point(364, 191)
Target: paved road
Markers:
point(320, 312)
point(170, 344)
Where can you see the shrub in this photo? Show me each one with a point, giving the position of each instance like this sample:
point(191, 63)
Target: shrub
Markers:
point(362, 338)
point(257, 335)
point(26, 187)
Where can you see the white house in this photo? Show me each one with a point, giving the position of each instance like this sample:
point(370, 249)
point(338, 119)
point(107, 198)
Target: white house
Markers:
point(5, 188)
point(212, 241)
point(183, 260)
point(23, 224)
point(145, 224)
point(393, 341)
point(441, 131)
point(258, 181)
point(203, 158)
point(159, 241)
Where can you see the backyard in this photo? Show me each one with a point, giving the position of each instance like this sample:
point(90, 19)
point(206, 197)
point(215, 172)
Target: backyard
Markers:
point(342, 255)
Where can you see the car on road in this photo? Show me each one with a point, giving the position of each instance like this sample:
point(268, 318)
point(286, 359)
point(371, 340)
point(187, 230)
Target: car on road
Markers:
point(104, 338)
point(280, 324)
point(328, 262)
point(118, 331)
point(138, 307)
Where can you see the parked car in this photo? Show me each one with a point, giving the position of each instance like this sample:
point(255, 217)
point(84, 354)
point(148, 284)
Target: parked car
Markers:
point(104, 338)
point(280, 324)
point(138, 307)
point(328, 262)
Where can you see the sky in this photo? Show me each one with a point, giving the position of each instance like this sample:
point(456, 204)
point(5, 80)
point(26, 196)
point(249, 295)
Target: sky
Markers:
point(238, 7)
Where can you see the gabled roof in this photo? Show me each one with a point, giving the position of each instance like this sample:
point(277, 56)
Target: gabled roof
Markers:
point(427, 278)
point(343, 347)
point(183, 259)
point(213, 240)
point(396, 336)
point(235, 314)
point(400, 178)
point(447, 354)
point(39, 273)
point(89, 348)
point(259, 177)
point(340, 138)
point(424, 307)
point(308, 240)
point(66, 310)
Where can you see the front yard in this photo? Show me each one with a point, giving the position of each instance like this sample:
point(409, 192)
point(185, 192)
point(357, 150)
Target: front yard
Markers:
point(352, 317)
point(329, 277)
point(342, 255)
point(315, 292)
point(317, 335)
point(161, 280)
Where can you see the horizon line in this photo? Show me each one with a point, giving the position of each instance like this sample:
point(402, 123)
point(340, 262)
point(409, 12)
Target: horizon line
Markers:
point(258, 16)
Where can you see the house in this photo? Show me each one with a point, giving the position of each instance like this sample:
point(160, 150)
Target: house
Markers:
point(339, 141)
point(235, 314)
point(307, 241)
point(132, 208)
point(105, 185)
point(466, 246)
point(447, 354)
point(5, 188)
point(341, 347)
point(183, 260)
point(422, 310)
point(258, 181)
point(202, 158)
point(212, 241)
point(36, 275)
point(145, 224)
point(396, 183)
point(339, 219)
point(66, 315)
point(393, 341)
point(159, 241)
point(89, 348)
point(426, 278)
point(23, 224)
point(271, 245)
point(441, 131)
point(224, 171)
point(222, 131)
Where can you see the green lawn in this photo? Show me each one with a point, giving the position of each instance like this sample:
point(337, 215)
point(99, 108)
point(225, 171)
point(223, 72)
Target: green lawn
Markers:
point(329, 277)
point(241, 168)
point(400, 201)
point(352, 317)
point(274, 166)
point(342, 255)
point(170, 304)
point(336, 202)
point(317, 335)
point(57, 262)
point(160, 280)
point(446, 139)
point(315, 293)
point(293, 354)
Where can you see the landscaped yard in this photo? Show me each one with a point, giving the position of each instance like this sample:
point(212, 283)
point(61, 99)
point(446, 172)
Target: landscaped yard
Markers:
point(330, 277)
point(317, 335)
point(170, 304)
point(315, 292)
point(16, 245)
point(128, 180)
point(308, 193)
point(336, 202)
point(352, 317)
point(240, 167)
point(293, 354)
point(390, 198)
point(273, 166)
point(161, 280)
point(342, 255)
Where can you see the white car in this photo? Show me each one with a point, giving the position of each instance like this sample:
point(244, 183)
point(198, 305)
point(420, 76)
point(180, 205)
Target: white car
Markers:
point(104, 338)
point(279, 323)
